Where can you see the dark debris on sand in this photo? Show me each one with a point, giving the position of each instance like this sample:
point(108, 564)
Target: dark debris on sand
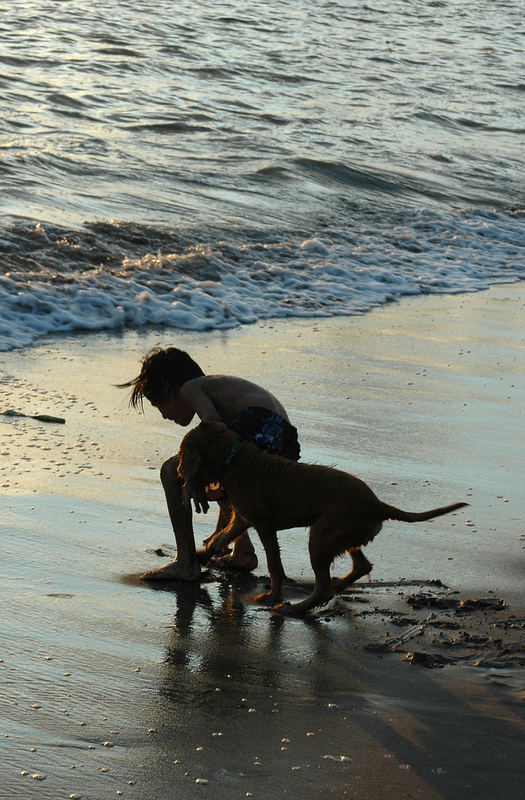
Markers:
point(435, 626)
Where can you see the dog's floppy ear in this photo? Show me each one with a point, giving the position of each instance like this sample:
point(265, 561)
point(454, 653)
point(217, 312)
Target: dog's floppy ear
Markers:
point(193, 487)
point(189, 463)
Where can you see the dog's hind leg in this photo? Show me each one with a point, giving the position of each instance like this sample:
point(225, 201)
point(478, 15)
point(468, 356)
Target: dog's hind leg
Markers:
point(361, 566)
point(268, 538)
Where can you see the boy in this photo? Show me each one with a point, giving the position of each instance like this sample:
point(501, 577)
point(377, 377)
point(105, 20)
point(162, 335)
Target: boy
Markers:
point(175, 384)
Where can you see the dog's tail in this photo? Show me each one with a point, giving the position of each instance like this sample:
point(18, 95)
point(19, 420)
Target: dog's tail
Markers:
point(391, 512)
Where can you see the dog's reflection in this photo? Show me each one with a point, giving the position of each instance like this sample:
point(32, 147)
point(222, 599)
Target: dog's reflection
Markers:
point(221, 642)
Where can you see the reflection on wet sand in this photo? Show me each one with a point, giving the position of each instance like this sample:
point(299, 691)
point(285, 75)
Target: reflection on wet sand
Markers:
point(245, 705)
point(259, 705)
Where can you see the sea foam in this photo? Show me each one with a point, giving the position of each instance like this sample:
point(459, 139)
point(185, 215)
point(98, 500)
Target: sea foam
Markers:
point(229, 283)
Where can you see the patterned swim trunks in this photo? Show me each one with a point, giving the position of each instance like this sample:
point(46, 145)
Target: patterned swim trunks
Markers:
point(269, 431)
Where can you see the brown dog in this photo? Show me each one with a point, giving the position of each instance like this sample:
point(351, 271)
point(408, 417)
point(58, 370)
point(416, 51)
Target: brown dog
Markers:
point(272, 493)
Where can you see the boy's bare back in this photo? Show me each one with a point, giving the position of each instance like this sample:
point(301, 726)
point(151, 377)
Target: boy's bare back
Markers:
point(223, 397)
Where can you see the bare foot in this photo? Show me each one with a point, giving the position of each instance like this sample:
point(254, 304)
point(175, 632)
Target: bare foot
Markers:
point(174, 571)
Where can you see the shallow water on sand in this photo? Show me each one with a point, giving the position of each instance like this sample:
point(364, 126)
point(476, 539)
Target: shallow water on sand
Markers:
point(109, 686)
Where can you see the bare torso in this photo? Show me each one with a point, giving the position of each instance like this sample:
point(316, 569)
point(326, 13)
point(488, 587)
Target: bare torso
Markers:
point(224, 397)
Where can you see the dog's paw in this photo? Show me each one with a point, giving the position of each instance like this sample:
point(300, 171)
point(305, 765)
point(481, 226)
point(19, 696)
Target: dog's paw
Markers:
point(264, 597)
point(203, 556)
point(284, 608)
point(218, 546)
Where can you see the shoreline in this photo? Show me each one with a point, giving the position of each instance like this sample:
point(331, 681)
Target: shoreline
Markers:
point(423, 399)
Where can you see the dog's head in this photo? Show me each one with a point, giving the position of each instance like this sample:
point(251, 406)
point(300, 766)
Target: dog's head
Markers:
point(203, 451)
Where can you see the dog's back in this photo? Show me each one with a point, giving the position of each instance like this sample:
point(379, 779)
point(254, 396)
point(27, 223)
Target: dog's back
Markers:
point(293, 494)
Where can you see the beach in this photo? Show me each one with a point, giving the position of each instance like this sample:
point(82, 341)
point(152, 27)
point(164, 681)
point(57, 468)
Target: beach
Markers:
point(326, 200)
point(410, 686)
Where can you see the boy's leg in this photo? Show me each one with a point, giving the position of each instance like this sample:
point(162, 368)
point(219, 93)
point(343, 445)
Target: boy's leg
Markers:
point(186, 565)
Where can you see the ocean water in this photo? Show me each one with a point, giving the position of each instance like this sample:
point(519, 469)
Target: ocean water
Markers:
point(204, 165)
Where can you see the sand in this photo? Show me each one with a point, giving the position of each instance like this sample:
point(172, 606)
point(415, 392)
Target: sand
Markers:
point(409, 686)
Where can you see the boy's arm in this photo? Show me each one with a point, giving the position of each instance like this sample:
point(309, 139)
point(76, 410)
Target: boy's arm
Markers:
point(194, 393)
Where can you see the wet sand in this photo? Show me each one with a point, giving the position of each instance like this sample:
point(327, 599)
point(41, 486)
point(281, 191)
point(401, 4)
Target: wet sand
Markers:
point(409, 686)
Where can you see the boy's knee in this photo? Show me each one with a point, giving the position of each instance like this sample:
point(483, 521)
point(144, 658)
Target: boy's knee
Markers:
point(168, 471)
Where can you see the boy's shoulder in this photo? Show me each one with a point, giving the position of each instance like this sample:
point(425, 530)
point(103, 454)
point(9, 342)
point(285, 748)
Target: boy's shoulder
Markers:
point(222, 385)
point(217, 380)
point(206, 380)
point(208, 383)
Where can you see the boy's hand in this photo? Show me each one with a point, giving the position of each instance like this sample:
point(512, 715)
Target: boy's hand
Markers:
point(197, 493)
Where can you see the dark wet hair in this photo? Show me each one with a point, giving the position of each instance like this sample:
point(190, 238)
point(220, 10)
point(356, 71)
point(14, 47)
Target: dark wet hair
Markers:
point(163, 372)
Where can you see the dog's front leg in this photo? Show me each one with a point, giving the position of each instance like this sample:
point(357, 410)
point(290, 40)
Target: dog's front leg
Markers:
point(268, 537)
point(220, 540)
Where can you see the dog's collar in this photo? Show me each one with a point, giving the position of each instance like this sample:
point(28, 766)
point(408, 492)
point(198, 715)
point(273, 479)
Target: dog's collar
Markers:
point(231, 455)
